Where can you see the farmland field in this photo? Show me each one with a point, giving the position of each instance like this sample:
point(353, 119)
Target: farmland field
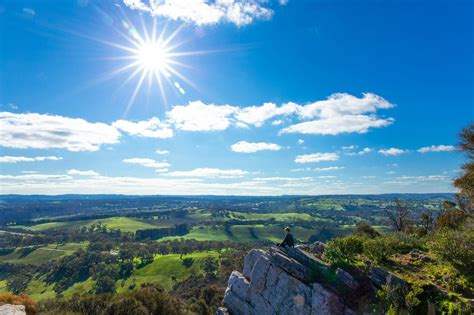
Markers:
point(124, 224)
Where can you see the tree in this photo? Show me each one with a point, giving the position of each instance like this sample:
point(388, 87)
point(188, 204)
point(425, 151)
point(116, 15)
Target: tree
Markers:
point(104, 284)
point(364, 229)
point(398, 217)
point(426, 223)
point(465, 182)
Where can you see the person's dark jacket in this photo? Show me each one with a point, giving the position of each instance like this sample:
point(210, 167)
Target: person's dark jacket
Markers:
point(288, 241)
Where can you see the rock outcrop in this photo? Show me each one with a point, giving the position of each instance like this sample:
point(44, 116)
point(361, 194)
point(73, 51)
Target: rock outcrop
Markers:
point(291, 281)
point(9, 309)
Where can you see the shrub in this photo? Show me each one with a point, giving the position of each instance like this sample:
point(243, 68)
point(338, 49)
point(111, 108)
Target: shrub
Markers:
point(344, 249)
point(364, 229)
point(402, 243)
point(456, 248)
point(451, 219)
point(396, 299)
point(378, 250)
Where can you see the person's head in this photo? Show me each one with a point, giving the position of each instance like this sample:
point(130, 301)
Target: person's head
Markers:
point(287, 229)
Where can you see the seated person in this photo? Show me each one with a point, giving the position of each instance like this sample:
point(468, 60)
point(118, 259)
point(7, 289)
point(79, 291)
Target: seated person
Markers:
point(288, 240)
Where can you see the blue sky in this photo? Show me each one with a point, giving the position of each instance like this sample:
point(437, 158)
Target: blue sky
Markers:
point(256, 97)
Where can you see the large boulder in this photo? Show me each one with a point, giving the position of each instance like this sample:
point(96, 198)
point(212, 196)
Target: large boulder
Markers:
point(381, 277)
point(9, 309)
point(283, 281)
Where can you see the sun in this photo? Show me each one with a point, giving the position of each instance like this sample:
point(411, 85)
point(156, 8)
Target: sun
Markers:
point(153, 56)
point(150, 55)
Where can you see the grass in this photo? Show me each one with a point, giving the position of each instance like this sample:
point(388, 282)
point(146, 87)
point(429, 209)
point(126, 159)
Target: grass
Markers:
point(162, 268)
point(122, 223)
point(244, 233)
point(42, 254)
point(38, 290)
point(279, 217)
point(3, 286)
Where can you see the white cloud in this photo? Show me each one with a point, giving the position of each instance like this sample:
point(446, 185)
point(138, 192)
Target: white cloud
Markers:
point(197, 116)
point(15, 159)
point(361, 152)
point(147, 162)
point(316, 157)
point(82, 173)
point(341, 113)
point(350, 147)
point(327, 176)
point(423, 178)
point(277, 122)
point(330, 168)
point(338, 124)
point(392, 151)
point(300, 141)
point(43, 131)
point(252, 147)
point(258, 115)
point(300, 169)
point(209, 172)
point(162, 152)
point(152, 128)
point(289, 179)
point(437, 148)
point(203, 12)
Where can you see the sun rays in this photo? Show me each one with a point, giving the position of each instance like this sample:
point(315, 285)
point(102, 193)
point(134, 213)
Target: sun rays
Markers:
point(150, 57)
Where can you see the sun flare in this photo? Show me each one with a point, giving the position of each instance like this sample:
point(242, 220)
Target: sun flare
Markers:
point(153, 57)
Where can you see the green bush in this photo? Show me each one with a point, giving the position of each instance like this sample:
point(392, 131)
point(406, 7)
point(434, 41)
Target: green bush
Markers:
point(401, 243)
point(378, 250)
point(455, 247)
point(344, 249)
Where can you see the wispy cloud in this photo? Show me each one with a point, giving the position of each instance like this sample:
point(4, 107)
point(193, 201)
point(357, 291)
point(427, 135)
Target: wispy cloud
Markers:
point(252, 147)
point(152, 128)
point(209, 172)
point(146, 162)
point(15, 159)
point(437, 148)
point(361, 152)
point(82, 173)
point(392, 151)
point(316, 157)
point(327, 169)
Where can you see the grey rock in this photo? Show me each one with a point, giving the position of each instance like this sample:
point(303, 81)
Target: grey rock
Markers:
point(382, 277)
point(276, 281)
point(9, 309)
point(346, 278)
point(317, 248)
point(414, 253)
point(250, 260)
point(291, 266)
point(325, 302)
